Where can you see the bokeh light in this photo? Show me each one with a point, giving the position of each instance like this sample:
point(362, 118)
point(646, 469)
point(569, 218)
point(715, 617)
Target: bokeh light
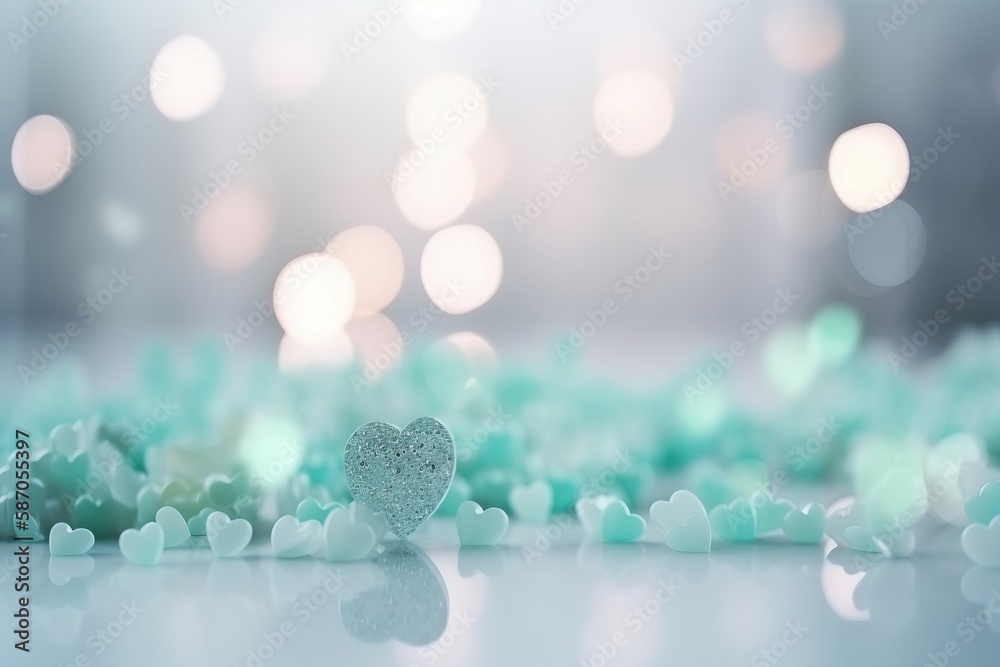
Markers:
point(375, 261)
point(314, 297)
point(869, 167)
point(437, 192)
point(234, 229)
point(473, 346)
point(461, 268)
point(447, 111)
point(190, 78)
point(835, 334)
point(122, 222)
point(489, 156)
point(42, 153)
point(334, 352)
point(377, 342)
point(804, 35)
point(438, 20)
point(290, 58)
point(887, 246)
point(643, 103)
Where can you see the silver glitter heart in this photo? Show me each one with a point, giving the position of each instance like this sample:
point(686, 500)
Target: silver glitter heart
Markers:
point(402, 474)
point(412, 607)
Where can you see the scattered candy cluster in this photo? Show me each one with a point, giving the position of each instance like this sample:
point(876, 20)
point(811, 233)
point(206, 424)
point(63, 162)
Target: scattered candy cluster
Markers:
point(206, 448)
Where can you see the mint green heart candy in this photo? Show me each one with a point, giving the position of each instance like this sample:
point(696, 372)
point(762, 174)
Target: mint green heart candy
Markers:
point(478, 527)
point(735, 522)
point(532, 503)
point(145, 546)
point(806, 526)
point(175, 529)
point(984, 506)
point(197, 523)
point(620, 525)
point(291, 538)
point(860, 538)
point(770, 512)
point(346, 537)
point(693, 536)
point(227, 538)
point(64, 541)
point(310, 510)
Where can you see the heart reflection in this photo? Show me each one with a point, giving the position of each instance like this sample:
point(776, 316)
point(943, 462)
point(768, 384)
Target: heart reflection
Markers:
point(412, 606)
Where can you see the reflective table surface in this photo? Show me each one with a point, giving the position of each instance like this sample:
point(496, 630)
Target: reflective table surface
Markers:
point(545, 596)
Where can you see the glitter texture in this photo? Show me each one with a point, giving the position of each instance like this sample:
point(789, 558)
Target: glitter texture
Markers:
point(402, 474)
point(412, 607)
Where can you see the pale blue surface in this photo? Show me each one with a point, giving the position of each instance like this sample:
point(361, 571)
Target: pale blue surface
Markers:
point(522, 603)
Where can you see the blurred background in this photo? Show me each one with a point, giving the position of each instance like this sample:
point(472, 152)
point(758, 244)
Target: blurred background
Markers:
point(645, 182)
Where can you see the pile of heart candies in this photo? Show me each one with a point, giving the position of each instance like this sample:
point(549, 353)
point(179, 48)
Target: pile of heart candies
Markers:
point(202, 448)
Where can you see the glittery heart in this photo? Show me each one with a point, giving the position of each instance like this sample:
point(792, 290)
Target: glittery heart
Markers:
point(175, 529)
point(402, 474)
point(806, 526)
point(620, 525)
point(142, 546)
point(64, 541)
point(291, 538)
point(478, 528)
point(412, 606)
point(532, 503)
point(985, 505)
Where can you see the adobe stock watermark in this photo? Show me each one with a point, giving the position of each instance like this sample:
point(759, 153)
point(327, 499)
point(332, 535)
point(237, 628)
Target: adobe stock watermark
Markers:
point(712, 30)
point(603, 482)
point(968, 629)
point(778, 649)
point(899, 16)
point(581, 159)
point(494, 422)
point(87, 311)
point(784, 128)
point(751, 331)
point(105, 637)
point(957, 298)
point(370, 30)
point(247, 151)
point(638, 618)
point(452, 119)
point(120, 109)
point(920, 163)
point(565, 10)
point(302, 610)
point(32, 23)
point(458, 626)
point(625, 288)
